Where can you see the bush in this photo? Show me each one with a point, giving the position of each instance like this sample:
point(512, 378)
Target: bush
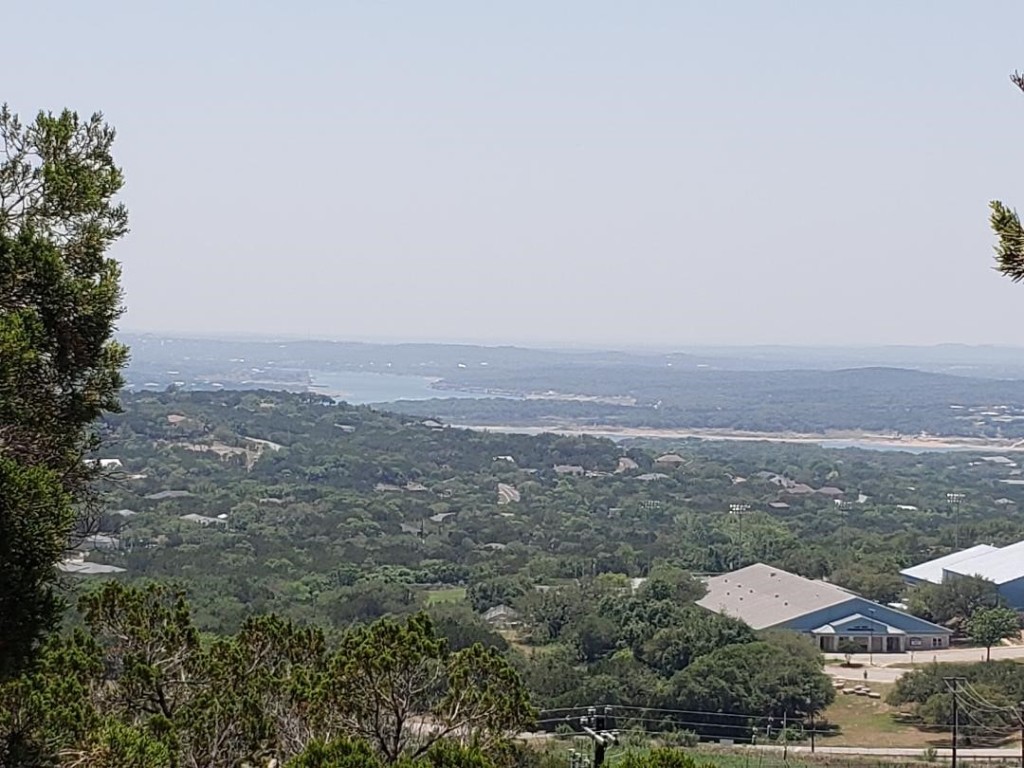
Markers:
point(662, 758)
point(681, 738)
point(340, 753)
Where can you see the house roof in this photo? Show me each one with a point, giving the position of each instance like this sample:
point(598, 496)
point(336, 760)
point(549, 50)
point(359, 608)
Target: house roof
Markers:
point(932, 570)
point(764, 596)
point(670, 458)
point(1000, 565)
point(168, 495)
point(500, 612)
point(82, 568)
point(203, 519)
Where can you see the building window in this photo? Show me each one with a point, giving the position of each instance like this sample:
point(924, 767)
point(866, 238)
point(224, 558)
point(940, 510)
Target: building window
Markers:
point(936, 642)
point(915, 642)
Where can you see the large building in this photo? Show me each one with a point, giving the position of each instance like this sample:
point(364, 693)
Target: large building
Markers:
point(769, 598)
point(1003, 566)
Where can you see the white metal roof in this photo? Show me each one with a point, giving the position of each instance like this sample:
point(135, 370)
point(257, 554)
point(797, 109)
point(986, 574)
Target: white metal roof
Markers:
point(1001, 566)
point(764, 596)
point(830, 628)
point(932, 570)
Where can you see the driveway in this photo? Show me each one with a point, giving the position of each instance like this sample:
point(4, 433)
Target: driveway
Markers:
point(874, 674)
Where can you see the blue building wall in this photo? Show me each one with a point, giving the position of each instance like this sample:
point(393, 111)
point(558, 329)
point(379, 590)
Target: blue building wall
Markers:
point(909, 624)
point(1013, 593)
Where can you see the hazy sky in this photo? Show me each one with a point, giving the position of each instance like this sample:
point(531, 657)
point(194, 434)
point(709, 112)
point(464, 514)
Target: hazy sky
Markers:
point(669, 172)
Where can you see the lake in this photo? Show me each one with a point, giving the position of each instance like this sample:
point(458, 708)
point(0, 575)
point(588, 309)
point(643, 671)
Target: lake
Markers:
point(362, 387)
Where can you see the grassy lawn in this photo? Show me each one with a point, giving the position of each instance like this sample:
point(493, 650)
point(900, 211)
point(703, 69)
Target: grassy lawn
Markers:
point(872, 722)
point(448, 595)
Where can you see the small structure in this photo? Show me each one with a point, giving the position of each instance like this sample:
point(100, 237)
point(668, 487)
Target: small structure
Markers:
point(205, 521)
point(501, 616)
point(832, 491)
point(99, 541)
point(670, 460)
point(77, 566)
point(507, 494)
point(626, 464)
point(105, 463)
point(569, 469)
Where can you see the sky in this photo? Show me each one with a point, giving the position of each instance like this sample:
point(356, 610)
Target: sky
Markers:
point(550, 172)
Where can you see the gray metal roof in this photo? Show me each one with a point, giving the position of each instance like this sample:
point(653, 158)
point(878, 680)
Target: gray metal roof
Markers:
point(932, 570)
point(1001, 566)
point(763, 596)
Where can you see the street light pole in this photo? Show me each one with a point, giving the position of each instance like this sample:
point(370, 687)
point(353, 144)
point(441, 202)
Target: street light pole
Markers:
point(739, 510)
point(843, 507)
point(954, 500)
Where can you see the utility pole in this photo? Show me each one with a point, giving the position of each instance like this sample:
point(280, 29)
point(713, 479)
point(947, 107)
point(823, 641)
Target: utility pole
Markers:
point(812, 735)
point(1020, 714)
point(739, 510)
point(843, 507)
point(953, 683)
point(600, 728)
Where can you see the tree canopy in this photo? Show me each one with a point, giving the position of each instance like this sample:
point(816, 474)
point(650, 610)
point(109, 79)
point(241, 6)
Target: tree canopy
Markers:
point(1006, 224)
point(988, 626)
point(59, 367)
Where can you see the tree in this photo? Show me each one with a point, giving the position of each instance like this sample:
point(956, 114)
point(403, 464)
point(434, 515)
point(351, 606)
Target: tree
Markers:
point(59, 368)
point(1006, 224)
point(396, 686)
point(954, 601)
point(990, 625)
point(595, 637)
point(848, 647)
point(753, 677)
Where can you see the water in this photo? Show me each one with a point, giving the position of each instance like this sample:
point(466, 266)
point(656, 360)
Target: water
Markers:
point(869, 445)
point(362, 387)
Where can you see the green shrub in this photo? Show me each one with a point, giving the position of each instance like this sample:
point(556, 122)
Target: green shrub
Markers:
point(340, 753)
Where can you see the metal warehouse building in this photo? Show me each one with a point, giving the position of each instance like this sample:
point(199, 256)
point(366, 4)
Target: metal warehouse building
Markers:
point(1004, 566)
point(768, 598)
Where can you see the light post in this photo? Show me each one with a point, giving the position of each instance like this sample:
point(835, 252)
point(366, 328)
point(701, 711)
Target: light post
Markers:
point(843, 507)
point(954, 500)
point(739, 510)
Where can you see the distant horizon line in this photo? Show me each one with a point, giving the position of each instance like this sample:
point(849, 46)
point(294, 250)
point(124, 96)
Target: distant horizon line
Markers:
point(545, 345)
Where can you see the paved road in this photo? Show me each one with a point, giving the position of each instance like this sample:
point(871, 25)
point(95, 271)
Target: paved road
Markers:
point(927, 657)
point(988, 753)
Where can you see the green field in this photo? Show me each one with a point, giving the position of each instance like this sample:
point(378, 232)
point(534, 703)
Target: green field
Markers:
point(449, 595)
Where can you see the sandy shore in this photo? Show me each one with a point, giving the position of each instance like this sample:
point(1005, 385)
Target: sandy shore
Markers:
point(839, 438)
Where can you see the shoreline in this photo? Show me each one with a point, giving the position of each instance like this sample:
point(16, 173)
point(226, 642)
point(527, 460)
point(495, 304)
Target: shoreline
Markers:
point(839, 439)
